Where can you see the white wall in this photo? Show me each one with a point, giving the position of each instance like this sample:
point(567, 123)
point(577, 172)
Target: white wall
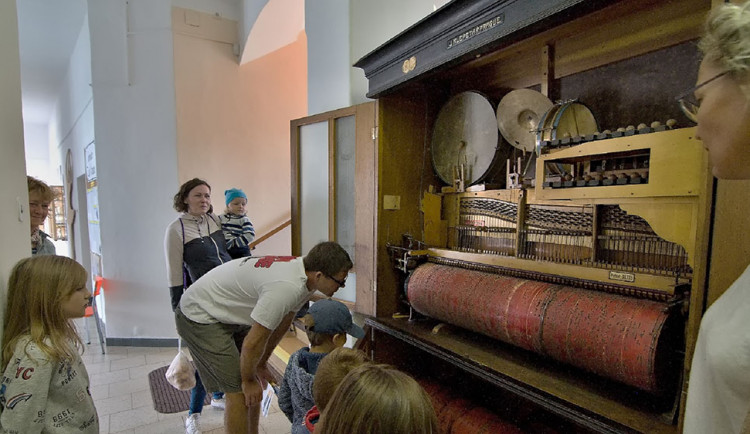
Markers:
point(279, 24)
point(36, 143)
point(328, 60)
point(251, 9)
point(231, 9)
point(373, 24)
point(135, 129)
point(72, 128)
point(14, 231)
point(135, 134)
point(339, 33)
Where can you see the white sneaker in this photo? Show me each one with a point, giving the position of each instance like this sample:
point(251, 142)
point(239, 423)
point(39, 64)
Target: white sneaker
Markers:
point(193, 424)
point(220, 403)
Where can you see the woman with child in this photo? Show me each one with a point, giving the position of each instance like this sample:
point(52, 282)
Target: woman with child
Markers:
point(193, 244)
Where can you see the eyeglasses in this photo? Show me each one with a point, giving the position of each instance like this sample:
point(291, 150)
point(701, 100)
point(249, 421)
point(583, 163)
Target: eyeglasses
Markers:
point(688, 104)
point(341, 283)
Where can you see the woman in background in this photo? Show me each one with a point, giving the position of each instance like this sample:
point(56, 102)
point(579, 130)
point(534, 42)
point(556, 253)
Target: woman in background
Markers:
point(719, 387)
point(40, 196)
point(193, 245)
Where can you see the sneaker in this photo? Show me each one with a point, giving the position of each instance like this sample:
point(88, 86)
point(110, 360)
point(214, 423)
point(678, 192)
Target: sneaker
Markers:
point(220, 403)
point(193, 424)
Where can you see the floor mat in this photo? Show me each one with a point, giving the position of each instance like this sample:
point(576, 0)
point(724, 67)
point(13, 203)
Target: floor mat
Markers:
point(166, 398)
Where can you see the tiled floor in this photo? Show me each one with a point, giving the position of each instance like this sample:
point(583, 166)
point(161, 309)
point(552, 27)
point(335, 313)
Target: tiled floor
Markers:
point(119, 385)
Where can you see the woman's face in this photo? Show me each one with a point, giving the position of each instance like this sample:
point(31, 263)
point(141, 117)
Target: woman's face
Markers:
point(74, 306)
point(724, 123)
point(38, 209)
point(198, 200)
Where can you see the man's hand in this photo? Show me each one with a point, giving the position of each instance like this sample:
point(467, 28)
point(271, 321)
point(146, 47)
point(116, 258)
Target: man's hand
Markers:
point(253, 392)
point(264, 375)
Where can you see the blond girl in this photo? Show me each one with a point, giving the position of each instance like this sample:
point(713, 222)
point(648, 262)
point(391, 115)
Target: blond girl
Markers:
point(378, 399)
point(45, 386)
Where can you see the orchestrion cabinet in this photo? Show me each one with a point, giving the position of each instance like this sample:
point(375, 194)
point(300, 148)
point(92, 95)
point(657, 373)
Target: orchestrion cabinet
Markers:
point(542, 245)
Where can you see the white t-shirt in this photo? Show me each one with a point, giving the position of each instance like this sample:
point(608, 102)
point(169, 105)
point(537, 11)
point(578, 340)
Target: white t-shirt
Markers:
point(719, 389)
point(247, 291)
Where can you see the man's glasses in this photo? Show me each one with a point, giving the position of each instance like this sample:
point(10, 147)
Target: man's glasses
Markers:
point(341, 283)
point(689, 104)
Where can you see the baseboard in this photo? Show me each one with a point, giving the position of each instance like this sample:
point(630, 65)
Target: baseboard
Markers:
point(142, 342)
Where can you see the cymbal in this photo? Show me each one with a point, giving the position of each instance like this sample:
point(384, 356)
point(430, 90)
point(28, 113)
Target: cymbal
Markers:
point(465, 133)
point(518, 115)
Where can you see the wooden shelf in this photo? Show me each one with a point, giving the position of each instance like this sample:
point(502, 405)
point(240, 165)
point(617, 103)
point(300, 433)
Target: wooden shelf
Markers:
point(585, 399)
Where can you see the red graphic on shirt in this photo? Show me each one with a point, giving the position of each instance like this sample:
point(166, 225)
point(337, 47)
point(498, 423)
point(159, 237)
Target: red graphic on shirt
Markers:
point(24, 372)
point(267, 261)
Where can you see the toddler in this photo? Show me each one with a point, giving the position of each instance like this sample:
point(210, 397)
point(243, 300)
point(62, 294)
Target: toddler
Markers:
point(238, 230)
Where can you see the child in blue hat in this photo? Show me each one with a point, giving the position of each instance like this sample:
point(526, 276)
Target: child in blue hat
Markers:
point(238, 229)
point(327, 323)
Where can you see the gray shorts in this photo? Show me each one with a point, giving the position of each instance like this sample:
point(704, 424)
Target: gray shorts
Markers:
point(216, 352)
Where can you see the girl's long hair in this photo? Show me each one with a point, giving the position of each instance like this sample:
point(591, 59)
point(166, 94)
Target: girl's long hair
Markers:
point(37, 288)
point(378, 399)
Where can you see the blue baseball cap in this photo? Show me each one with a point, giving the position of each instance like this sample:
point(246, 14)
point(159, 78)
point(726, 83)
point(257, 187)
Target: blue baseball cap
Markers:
point(233, 193)
point(333, 317)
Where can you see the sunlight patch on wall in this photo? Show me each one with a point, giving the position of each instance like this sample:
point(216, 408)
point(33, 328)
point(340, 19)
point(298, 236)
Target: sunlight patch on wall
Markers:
point(279, 24)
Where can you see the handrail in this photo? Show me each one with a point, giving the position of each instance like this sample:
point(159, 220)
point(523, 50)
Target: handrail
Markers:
point(273, 231)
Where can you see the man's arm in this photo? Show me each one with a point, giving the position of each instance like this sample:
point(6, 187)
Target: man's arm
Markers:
point(256, 349)
point(253, 349)
point(276, 336)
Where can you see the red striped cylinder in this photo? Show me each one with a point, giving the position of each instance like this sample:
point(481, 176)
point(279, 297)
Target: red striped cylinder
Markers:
point(611, 335)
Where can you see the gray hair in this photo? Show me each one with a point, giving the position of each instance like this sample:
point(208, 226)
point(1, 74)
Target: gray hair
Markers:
point(726, 41)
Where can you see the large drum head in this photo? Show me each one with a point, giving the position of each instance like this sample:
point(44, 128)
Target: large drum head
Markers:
point(565, 120)
point(518, 116)
point(465, 133)
point(574, 119)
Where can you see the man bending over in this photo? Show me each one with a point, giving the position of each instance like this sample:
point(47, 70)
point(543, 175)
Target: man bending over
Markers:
point(234, 316)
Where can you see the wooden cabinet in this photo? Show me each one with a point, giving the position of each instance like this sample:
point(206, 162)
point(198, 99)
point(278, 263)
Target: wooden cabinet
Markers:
point(627, 60)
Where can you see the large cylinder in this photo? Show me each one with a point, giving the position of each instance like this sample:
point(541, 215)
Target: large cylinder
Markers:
point(618, 337)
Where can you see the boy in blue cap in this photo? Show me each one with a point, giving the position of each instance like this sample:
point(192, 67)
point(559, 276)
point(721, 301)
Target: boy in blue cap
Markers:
point(238, 229)
point(327, 323)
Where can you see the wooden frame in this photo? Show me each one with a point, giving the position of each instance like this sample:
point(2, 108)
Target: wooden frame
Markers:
point(365, 167)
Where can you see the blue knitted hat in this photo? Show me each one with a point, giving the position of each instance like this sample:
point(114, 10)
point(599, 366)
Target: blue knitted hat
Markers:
point(233, 193)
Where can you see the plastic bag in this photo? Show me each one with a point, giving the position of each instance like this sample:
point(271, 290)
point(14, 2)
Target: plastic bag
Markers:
point(181, 373)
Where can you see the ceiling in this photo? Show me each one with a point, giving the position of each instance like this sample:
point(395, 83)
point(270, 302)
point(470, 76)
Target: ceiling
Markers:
point(47, 33)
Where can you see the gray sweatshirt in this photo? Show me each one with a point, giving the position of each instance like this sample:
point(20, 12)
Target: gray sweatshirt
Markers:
point(42, 396)
point(295, 392)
